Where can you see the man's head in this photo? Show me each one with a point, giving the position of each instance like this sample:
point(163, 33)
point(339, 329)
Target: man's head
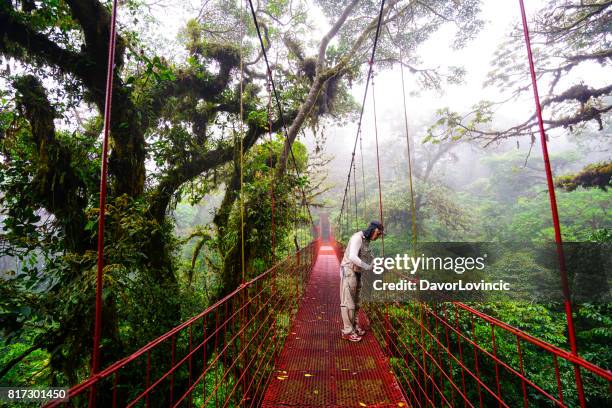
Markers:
point(374, 230)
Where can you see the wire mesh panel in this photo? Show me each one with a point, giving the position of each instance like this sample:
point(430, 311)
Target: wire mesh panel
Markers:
point(221, 357)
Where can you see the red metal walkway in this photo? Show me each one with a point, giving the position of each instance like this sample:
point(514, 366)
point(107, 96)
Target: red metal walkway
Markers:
point(316, 368)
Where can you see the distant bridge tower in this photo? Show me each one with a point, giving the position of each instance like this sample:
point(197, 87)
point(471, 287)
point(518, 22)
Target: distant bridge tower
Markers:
point(324, 229)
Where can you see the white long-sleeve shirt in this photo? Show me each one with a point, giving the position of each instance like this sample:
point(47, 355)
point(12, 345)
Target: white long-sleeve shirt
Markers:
point(351, 253)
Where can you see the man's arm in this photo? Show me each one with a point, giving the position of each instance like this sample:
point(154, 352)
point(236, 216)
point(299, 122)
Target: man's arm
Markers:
point(354, 247)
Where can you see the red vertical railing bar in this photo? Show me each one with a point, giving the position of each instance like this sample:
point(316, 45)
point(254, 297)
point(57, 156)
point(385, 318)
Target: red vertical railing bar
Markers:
point(243, 325)
point(387, 338)
point(448, 347)
point(523, 384)
point(431, 377)
point(204, 363)
point(460, 354)
point(95, 366)
point(190, 364)
point(422, 342)
point(437, 359)
point(221, 353)
point(553, 209)
point(115, 383)
point(440, 362)
point(148, 379)
point(172, 361)
point(497, 383)
point(216, 345)
point(476, 361)
point(558, 377)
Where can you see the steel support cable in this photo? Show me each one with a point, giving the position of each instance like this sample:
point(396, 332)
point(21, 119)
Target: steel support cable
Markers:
point(365, 94)
point(268, 86)
point(349, 209)
point(380, 203)
point(553, 208)
point(412, 202)
point(280, 107)
point(103, 180)
point(365, 197)
point(355, 192)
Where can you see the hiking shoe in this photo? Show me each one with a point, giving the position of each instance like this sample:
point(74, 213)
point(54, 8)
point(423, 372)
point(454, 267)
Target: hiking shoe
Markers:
point(360, 332)
point(351, 337)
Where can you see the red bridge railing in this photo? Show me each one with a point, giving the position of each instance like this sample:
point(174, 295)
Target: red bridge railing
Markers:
point(451, 354)
point(221, 357)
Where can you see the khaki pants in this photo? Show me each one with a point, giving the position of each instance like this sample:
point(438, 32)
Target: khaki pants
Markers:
point(350, 286)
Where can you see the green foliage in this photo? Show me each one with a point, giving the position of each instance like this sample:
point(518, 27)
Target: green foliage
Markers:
point(594, 175)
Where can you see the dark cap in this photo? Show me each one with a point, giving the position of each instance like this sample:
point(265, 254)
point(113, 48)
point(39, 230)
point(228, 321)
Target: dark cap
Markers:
point(373, 226)
point(376, 224)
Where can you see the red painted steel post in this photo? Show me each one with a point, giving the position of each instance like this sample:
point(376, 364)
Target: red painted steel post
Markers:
point(387, 336)
point(115, 383)
point(553, 208)
point(423, 351)
point(497, 383)
point(172, 361)
point(148, 379)
point(558, 377)
point(297, 280)
point(244, 315)
point(476, 361)
point(204, 368)
point(104, 172)
point(190, 364)
point(523, 385)
point(460, 352)
point(448, 348)
point(216, 348)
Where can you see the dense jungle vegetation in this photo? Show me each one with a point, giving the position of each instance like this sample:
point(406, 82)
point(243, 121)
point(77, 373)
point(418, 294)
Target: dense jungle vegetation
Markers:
point(193, 142)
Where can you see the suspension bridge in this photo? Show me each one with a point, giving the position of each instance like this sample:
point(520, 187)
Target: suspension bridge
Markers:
point(274, 341)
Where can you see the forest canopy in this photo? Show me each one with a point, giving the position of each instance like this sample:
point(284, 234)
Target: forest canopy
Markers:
point(205, 162)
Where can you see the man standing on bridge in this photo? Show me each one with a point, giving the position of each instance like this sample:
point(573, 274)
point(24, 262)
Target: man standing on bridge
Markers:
point(357, 258)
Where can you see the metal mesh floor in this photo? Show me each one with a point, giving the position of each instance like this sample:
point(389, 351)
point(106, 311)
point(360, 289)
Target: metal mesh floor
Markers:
point(316, 368)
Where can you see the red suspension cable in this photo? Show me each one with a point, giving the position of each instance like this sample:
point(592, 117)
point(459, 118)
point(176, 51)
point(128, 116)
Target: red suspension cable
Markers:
point(104, 172)
point(95, 358)
point(553, 207)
